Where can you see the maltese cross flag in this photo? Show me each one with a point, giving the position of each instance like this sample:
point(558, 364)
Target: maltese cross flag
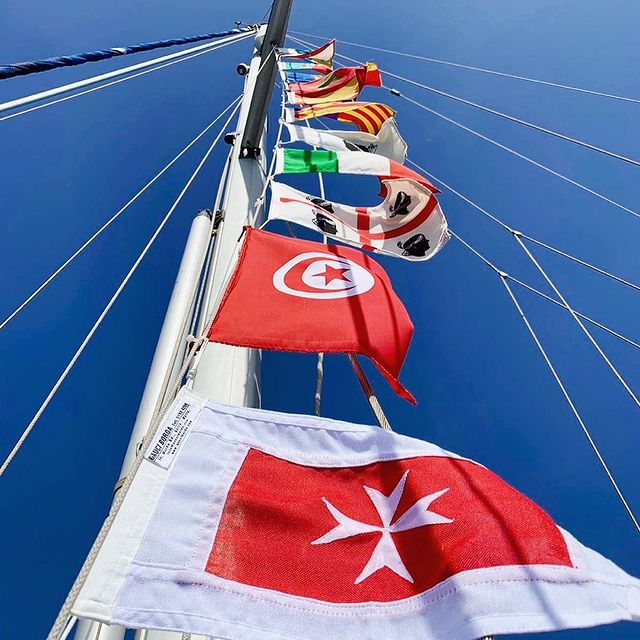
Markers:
point(288, 294)
point(247, 524)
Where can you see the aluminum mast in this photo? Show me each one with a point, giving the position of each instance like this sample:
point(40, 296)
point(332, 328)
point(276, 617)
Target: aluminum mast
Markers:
point(225, 374)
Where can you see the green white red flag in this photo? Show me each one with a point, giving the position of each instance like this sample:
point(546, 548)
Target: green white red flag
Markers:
point(388, 142)
point(347, 162)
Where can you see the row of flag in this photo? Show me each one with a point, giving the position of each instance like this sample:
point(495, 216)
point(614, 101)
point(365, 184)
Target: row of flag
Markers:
point(247, 524)
point(322, 304)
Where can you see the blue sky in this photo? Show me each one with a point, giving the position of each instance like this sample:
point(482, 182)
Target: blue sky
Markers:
point(482, 388)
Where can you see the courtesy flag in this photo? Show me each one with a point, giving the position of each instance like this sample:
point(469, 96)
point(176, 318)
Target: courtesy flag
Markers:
point(409, 223)
point(288, 294)
point(388, 142)
point(246, 524)
point(366, 116)
point(344, 83)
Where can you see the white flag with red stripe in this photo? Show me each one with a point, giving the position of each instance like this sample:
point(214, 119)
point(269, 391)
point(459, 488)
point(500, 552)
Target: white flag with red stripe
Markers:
point(247, 524)
point(408, 224)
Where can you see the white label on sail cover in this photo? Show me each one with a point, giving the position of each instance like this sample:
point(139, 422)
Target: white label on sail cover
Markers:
point(172, 431)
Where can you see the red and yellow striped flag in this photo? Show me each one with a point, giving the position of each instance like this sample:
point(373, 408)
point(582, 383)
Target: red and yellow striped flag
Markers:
point(366, 116)
point(342, 84)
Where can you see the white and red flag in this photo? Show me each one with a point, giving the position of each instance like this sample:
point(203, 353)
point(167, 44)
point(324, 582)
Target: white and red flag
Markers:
point(246, 524)
point(288, 294)
point(408, 223)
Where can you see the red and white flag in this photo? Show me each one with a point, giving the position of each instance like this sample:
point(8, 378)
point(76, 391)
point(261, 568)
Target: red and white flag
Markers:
point(247, 524)
point(288, 294)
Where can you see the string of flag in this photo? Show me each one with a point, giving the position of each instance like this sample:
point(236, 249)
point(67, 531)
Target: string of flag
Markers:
point(308, 526)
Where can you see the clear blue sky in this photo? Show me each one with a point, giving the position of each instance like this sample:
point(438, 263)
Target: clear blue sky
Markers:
point(482, 387)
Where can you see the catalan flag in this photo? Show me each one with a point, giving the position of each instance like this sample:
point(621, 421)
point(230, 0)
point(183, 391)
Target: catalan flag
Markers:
point(366, 116)
point(342, 84)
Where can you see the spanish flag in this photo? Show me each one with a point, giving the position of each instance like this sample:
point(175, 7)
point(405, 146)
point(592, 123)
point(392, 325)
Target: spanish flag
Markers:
point(345, 83)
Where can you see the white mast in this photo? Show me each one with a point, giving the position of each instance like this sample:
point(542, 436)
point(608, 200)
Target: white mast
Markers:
point(225, 374)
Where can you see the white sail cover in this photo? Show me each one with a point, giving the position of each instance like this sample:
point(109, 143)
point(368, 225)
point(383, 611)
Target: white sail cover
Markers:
point(408, 224)
point(388, 142)
point(246, 524)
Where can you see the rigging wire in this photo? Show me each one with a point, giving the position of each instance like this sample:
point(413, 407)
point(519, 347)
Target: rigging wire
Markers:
point(113, 218)
point(512, 231)
point(495, 112)
point(10, 105)
point(518, 154)
point(480, 69)
point(578, 321)
point(581, 315)
point(113, 299)
point(582, 262)
point(523, 284)
point(517, 235)
point(73, 60)
point(504, 277)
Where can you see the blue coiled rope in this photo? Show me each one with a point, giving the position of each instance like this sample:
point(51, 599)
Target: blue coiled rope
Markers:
point(36, 66)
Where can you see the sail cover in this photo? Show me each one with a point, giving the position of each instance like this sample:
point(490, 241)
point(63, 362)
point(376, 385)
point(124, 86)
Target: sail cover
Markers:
point(248, 524)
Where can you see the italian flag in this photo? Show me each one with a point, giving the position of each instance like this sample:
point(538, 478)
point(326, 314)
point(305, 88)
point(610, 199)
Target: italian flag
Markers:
point(354, 162)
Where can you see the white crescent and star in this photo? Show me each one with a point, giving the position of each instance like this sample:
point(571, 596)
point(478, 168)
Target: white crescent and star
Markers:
point(385, 553)
point(324, 277)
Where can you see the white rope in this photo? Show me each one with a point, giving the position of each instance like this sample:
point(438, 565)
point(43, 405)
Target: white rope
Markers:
point(578, 321)
point(495, 112)
point(114, 82)
point(481, 69)
point(504, 277)
point(113, 218)
point(111, 302)
point(557, 174)
point(506, 227)
point(375, 405)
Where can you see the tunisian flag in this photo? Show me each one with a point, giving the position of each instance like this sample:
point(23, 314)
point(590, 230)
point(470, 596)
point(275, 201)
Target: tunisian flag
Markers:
point(296, 295)
point(247, 524)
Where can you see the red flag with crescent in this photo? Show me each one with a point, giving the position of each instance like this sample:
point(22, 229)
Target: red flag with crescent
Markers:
point(288, 294)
